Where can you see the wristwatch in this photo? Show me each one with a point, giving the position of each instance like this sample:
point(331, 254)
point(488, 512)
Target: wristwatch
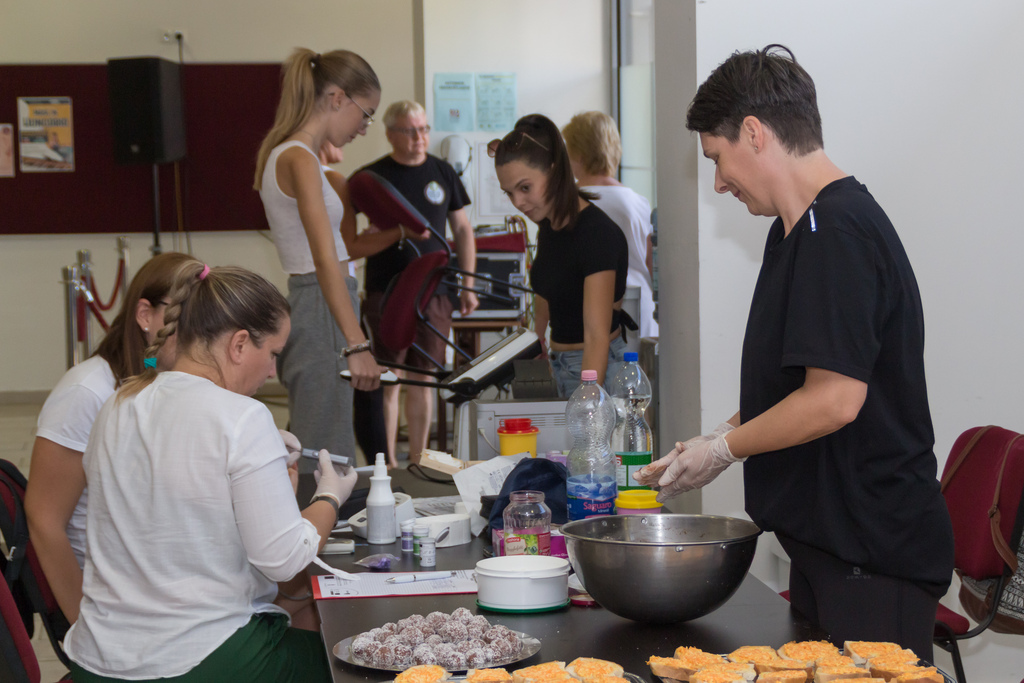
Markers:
point(330, 498)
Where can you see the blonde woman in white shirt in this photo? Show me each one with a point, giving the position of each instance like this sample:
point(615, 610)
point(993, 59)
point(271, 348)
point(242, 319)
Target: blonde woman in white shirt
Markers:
point(56, 497)
point(324, 97)
point(595, 151)
point(192, 515)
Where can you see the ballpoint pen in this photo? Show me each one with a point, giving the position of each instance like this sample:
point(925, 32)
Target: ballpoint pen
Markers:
point(409, 578)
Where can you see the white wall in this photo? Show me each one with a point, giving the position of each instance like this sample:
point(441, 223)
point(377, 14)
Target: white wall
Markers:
point(559, 52)
point(918, 100)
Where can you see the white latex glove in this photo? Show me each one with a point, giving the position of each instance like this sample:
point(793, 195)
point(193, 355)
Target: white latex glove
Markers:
point(334, 479)
point(291, 442)
point(650, 474)
point(696, 467)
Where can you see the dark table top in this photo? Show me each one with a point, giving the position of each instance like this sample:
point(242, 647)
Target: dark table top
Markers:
point(755, 615)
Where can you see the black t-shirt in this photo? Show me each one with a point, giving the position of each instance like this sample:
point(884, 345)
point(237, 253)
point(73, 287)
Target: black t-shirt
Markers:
point(435, 189)
point(564, 260)
point(838, 293)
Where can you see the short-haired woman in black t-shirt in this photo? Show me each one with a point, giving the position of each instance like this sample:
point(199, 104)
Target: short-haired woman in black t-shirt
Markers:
point(833, 424)
point(579, 272)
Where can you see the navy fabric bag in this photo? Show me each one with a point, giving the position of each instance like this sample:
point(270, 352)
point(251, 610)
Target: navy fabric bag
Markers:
point(534, 474)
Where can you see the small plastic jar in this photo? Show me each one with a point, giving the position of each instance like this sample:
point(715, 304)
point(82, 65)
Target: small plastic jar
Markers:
point(419, 532)
point(407, 542)
point(637, 502)
point(428, 552)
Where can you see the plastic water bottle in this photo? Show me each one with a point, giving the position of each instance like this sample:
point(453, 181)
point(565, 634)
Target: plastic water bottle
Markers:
point(590, 417)
point(631, 441)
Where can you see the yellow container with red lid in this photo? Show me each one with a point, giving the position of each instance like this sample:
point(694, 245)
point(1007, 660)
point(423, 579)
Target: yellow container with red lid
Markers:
point(637, 502)
point(517, 435)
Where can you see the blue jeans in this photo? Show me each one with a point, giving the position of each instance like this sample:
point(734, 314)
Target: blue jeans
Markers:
point(566, 366)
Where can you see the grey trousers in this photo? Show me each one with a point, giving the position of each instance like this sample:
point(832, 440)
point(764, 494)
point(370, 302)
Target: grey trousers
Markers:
point(319, 400)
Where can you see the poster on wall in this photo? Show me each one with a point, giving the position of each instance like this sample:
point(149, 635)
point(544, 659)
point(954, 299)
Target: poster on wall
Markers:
point(6, 150)
point(496, 102)
point(45, 134)
point(454, 102)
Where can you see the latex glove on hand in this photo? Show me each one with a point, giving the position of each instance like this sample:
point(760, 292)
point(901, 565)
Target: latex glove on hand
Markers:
point(650, 474)
point(334, 480)
point(291, 442)
point(696, 467)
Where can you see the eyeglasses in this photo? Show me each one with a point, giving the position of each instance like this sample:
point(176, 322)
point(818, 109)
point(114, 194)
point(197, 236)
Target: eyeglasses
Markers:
point(513, 145)
point(411, 132)
point(367, 118)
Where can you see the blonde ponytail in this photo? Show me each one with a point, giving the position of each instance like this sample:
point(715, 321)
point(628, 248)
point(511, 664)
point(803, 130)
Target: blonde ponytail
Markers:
point(305, 77)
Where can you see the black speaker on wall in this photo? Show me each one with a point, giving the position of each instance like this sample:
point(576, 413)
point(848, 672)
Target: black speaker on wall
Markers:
point(146, 110)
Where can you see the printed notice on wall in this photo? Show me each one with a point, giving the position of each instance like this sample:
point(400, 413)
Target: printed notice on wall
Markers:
point(45, 134)
point(6, 150)
point(496, 102)
point(454, 102)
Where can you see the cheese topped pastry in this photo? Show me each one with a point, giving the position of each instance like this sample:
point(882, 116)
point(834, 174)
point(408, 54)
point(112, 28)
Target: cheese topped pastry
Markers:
point(807, 650)
point(424, 673)
point(588, 667)
point(863, 650)
point(488, 676)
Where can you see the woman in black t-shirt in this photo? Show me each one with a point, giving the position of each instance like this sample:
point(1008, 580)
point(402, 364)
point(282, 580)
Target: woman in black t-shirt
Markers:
point(834, 427)
point(579, 272)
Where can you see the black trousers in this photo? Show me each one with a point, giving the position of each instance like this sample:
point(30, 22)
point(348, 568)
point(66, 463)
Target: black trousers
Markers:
point(852, 604)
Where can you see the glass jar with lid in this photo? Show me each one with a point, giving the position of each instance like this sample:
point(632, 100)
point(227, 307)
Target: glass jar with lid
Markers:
point(527, 524)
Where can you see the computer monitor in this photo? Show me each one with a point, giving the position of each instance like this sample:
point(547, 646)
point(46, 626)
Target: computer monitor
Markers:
point(492, 367)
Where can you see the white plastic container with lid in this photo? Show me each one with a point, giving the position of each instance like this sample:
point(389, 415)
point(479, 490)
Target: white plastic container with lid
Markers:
point(380, 506)
point(522, 583)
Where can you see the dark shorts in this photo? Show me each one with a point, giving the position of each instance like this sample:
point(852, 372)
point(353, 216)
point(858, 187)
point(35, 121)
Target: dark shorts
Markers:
point(438, 313)
point(853, 604)
point(265, 650)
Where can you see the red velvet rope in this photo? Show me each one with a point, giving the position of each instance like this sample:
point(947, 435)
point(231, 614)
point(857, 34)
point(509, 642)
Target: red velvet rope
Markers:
point(99, 316)
point(113, 296)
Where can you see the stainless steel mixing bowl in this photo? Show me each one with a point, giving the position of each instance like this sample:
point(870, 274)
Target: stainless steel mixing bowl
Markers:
point(661, 568)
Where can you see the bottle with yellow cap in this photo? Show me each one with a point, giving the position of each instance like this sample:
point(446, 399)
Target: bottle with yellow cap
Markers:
point(637, 502)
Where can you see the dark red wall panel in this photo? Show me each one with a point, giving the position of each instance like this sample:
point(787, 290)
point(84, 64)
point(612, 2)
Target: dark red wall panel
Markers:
point(228, 109)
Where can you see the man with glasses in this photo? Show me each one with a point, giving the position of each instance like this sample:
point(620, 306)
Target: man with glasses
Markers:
point(434, 188)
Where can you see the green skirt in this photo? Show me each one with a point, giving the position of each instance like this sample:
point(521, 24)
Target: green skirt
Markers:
point(265, 649)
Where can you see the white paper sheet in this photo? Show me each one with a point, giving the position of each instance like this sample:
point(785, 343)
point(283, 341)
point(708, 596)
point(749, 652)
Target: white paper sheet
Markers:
point(484, 479)
point(375, 585)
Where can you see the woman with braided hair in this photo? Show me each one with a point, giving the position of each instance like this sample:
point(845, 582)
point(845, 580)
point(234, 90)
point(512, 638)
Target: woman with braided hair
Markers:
point(192, 517)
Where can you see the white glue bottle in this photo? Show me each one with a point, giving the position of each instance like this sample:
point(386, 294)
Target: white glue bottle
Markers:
point(380, 506)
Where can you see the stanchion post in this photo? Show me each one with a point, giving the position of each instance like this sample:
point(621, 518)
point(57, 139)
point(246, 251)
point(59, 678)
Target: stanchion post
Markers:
point(70, 282)
point(123, 253)
point(88, 287)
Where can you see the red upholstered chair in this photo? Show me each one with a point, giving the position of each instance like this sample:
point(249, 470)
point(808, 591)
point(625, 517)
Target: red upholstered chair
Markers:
point(969, 497)
point(18, 661)
point(406, 300)
point(22, 571)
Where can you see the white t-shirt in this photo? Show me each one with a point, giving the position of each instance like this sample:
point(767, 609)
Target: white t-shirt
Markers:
point(67, 418)
point(191, 520)
point(632, 213)
point(283, 216)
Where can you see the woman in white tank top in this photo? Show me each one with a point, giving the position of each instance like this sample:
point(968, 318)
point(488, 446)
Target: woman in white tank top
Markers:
point(325, 98)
